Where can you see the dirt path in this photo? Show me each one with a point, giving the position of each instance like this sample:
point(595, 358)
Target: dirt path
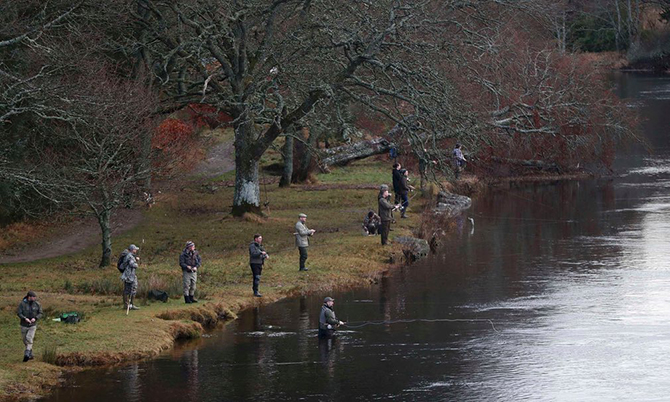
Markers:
point(86, 232)
point(73, 238)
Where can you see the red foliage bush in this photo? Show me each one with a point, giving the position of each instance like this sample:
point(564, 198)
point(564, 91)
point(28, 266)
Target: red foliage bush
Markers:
point(174, 144)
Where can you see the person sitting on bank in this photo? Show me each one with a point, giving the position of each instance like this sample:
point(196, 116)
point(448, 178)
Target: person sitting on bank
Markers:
point(328, 323)
point(371, 223)
point(190, 261)
point(302, 235)
point(29, 312)
point(257, 257)
point(129, 276)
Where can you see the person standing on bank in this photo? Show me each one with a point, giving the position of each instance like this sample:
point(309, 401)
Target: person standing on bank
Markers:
point(459, 160)
point(257, 257)
point(385, 210)
point(302, 235)
point(396, 175)
point(328, 323)
point(190, 261)
point(129, 276)
point(29, 312)
point(404, 188)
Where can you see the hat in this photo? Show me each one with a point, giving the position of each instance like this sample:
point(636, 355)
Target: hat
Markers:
point(189, 244)
point(327, 299)
point(383, 187)
point(31, 294)
point(302, 216)
point(133, 247)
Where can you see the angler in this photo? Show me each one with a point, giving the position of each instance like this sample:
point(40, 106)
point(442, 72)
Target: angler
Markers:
point(328, 323)
point(190, 261)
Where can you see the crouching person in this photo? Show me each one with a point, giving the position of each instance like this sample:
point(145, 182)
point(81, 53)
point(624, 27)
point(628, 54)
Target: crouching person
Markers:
point(190, 261)
point(371, 223)
point(128, 267)
point(29, 312)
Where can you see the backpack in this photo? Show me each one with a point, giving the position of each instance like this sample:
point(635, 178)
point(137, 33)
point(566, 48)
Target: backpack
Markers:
point(120, 263)
point(70, 318)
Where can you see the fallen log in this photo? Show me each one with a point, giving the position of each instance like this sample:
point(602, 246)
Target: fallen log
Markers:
point(344, 154)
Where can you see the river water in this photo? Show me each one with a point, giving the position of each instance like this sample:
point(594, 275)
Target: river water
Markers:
point(558, 292)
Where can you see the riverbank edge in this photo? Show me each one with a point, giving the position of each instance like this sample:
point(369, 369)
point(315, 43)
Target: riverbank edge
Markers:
point(190, 322)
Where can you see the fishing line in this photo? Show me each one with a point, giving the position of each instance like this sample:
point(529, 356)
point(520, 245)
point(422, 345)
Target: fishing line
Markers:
point(410, 320)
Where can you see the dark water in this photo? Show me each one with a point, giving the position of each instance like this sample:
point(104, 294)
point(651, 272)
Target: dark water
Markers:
point(574, 278)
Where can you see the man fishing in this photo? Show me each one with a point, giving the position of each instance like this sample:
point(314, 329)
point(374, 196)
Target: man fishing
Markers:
point(302, 235)
point(385, 210)
point(257, 257)
point(190, 261)
point(328, 323)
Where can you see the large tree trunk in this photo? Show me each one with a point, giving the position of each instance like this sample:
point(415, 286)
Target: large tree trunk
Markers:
point(247, 190)
point(305, 165)
point(288, 162)
point(346, 153)
point(103, 221)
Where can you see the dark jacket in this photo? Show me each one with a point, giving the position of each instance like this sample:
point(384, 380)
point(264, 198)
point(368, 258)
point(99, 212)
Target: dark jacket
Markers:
point(29, 310)
point(188, 259)
point(326, 317)
point(375, 220)
point(385, 209)
point(403, 187)
point(256, 253)
point(397, 178)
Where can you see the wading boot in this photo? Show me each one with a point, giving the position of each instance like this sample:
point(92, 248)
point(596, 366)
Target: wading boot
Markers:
point(26, 356)
point(187, 299)
point(193, 299)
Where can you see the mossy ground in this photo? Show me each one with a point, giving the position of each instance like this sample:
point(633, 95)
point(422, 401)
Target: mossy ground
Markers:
point(339, 256)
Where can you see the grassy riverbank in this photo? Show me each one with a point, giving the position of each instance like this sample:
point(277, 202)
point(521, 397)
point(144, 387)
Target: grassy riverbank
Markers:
point(339, 256)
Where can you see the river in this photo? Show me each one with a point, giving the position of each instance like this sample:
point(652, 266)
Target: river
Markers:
point(558, 292)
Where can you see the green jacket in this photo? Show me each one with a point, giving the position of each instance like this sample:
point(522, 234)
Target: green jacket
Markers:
point(29, 310)
point(385, 209)
point(326, 317)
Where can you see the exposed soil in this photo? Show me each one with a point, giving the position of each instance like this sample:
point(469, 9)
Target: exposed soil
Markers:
point(220, 159)
point(72, 238)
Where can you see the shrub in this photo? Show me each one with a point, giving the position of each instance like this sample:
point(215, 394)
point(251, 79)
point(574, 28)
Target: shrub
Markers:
point(50, 353)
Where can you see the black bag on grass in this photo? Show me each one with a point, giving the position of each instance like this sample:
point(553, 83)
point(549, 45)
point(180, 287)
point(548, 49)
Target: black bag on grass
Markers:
point(158, 295)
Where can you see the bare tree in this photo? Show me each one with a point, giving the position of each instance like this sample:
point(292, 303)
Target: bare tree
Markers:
point(268, 64)
point(94, 158)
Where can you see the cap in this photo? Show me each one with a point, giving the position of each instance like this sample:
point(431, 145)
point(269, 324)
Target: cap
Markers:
point(189, 244)
point(133, 247)
point(327, 299)
point(31, 294)
point(302, 216)
point(383, 187)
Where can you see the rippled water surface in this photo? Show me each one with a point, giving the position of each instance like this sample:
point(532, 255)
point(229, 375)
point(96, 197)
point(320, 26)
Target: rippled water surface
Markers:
point(559, 292)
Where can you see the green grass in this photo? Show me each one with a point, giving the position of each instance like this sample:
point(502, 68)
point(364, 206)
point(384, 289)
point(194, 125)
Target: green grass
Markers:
point(339, 255)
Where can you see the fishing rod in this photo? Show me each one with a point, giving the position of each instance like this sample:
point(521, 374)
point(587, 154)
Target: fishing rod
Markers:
point(411, 320)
